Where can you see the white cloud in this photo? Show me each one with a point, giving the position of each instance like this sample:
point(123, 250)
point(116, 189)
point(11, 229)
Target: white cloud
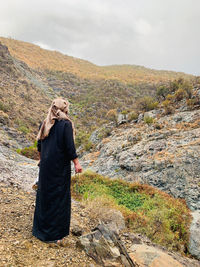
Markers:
point(143, 27)
point(155, 33)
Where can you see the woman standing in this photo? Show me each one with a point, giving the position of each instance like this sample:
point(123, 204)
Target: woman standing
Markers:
point(53, 201)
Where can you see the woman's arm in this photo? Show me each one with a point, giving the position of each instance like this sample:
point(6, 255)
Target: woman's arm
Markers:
point(77, 165)
point(70, 147)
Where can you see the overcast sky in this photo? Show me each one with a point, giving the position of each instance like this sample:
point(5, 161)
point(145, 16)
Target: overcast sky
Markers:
point(160, 34)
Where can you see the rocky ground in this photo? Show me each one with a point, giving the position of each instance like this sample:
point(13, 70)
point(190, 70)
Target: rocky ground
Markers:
point(17, 245)
point(19, 248)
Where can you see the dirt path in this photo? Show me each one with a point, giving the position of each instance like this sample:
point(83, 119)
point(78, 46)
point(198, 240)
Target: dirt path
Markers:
point(17, 245)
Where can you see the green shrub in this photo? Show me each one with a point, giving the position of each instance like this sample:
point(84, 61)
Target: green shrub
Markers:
point(89, 145)
point(23, 129)
point(191, 103)
point(132, 116)
point(146, 210)
point(170, 97)
point(148, 119)
point(188, 88)
point(180, 94)
point(167, 106)
point(124, 112)
point(162, 91)
point(4, 107)
point(104, 132)
point(147, 103)
point(82, 138)
point(29, 152)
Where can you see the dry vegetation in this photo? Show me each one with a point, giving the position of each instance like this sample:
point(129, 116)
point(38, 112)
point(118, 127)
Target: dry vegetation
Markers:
point(37, 57)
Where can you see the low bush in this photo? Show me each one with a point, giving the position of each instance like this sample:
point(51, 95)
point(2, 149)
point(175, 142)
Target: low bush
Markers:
point(132, 116)
point(147, 103)
point(162, 91)
point(148, 119)
point(104, 132)
point(167, 106)
point(112, 115)
point(180, 94)
point(4, 107)
point(82, 138)
point(23, 129)
point(30, 152)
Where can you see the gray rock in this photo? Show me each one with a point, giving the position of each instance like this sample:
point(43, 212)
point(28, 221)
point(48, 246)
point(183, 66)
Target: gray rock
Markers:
point(153, 113)
point(122, 118)
point(105, 247)
point(194, 244)
point(140, 117)
point(17, 169)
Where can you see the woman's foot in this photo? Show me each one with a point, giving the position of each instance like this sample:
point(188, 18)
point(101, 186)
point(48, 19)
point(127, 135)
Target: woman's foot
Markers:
point(58, 243)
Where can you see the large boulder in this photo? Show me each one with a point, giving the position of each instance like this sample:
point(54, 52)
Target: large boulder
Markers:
point(105, 247)
point(194, 245)
point(147, 256)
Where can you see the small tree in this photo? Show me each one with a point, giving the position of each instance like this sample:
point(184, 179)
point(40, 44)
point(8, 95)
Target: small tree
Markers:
point(162, 91)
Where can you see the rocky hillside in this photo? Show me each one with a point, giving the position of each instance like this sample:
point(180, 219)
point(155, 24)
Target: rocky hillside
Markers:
point(160, 150)
point(24, 98)
point(30, 77)
point(158, 147)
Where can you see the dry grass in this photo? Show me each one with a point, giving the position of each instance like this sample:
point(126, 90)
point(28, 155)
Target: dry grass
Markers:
point(37, 57)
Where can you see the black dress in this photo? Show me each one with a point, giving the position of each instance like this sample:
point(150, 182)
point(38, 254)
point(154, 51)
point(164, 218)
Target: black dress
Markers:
point(53, 201)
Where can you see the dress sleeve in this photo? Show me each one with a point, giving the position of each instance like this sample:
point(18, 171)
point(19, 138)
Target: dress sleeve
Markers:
point(69, 141)
point(39, 145)
point(39, 141)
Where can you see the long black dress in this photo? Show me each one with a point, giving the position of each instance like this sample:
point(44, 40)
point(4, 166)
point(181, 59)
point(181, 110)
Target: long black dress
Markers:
point(53, 201)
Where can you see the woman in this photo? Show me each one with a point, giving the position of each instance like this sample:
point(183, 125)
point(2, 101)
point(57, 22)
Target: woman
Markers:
point(53, 201)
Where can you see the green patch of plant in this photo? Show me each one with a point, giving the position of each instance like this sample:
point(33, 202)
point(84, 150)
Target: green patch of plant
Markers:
point(146, 210)
point(104, 132)
point(23, 129)
point(4, 107)
point(148, 119)
point(132, 116)
point(29, 152)
point(89, 145)
point(147, 103)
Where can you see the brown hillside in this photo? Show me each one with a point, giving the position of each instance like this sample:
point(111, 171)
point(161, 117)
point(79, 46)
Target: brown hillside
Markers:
point(37, 57)
point(23, 100)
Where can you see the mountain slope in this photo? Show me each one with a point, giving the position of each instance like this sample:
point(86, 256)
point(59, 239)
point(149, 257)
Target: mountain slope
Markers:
point(36, 57)
point(22, 95)
point(31, 77)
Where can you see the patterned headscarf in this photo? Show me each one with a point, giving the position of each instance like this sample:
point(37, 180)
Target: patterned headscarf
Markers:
point(58, 111)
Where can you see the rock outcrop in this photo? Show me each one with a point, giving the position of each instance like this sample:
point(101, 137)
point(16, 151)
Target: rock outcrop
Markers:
point(106, 248)
point(194, 245)
point(165, 154)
